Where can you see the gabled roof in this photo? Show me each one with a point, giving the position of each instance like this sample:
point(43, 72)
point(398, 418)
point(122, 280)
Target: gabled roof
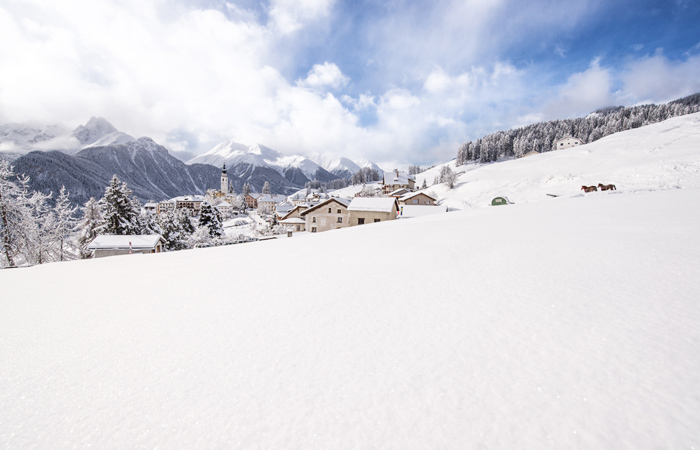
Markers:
point(379, 204)
point(292, 221)
point(301, 208)
point(413, 194)
point(344, 202)
point(399, 177)
point(271, 198)
point(189, 198)
point(114, 242)
point(399, 192)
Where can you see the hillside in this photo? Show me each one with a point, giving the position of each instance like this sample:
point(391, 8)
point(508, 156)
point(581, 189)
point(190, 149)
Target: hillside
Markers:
point(665, 155)
point(565, 322)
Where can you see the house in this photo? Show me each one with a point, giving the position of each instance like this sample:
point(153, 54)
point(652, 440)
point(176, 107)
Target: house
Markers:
point(418, 198)
point(251, 200)
point(268, 202)
point(397, 180)
point(191, 203)
point(327, 215)
point(567, 142)
point(166, 206)
point(224, 208)
point(110, 245)
point(372, 209)
point(282, 209)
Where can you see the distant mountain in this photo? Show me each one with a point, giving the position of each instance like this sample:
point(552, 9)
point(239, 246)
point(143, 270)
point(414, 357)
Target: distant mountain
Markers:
point(147, 168)
point(18, 139)
point(296, 169)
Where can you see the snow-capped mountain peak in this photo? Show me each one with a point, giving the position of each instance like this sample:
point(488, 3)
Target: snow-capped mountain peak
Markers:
point(95, 129)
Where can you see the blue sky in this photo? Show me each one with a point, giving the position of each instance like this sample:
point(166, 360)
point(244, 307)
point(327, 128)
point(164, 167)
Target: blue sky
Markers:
point(398, 82)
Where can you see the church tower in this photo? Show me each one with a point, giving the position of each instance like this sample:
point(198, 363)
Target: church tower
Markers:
point(224, 180)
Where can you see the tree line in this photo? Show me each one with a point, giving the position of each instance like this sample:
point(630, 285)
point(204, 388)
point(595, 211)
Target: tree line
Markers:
point(32, 232)
point(540, 137)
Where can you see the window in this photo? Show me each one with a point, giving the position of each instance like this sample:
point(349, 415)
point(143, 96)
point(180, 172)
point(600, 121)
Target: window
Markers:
point(360, 220)
point(313, 219)
point(313, 229)
point(329, 210)
point(415, 201)
point(377, 220)
point(340, 220)
point(339, 211)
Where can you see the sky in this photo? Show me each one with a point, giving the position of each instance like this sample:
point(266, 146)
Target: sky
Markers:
point(397, 82)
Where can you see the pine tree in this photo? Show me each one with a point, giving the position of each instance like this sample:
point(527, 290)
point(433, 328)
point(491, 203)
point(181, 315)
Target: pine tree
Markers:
point(425, 184)
point(246, 190)
point(209, 217)
point(120, 211)
point(15, 215)
point(266, 188)
point(65, 221)
point(88, 226)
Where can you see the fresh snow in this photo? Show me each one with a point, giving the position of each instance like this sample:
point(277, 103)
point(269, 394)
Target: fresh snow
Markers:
point(567, 322)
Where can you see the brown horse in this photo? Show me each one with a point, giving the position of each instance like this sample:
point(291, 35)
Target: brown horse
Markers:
point(589, 188)
point(607, 187)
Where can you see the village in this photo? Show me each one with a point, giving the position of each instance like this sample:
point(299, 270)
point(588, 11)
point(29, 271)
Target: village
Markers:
point(252, 216)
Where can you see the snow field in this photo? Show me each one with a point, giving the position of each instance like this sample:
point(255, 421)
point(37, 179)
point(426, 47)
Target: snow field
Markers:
point(557, 324)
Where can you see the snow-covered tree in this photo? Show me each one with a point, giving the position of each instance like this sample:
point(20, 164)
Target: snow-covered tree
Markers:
point(246, 189)
point(210, 218)
point(88, 226)
point(425, 184)
point(41, 232)
point(120, 211)
point(15, 214)
point(266, 188)
point(448, 177)
point(65, 221)
point(176, 228)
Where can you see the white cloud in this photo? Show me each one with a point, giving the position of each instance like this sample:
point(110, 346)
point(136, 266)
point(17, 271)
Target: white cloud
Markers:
point(582, 93)
point(324, 75)
point(288, 16)
point(658, 79)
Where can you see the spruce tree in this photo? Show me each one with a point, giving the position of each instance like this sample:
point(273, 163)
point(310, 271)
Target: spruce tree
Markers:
point(209, 217)
point(120, 210)
point(15, 214)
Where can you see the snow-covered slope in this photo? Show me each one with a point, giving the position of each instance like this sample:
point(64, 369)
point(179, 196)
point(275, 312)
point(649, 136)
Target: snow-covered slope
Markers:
point(20, 138)
point(665, 155)
point(94, 130)
point(115, 138)
point(561, 324)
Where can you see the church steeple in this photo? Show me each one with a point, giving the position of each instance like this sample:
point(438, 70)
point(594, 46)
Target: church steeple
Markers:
point(224, 180)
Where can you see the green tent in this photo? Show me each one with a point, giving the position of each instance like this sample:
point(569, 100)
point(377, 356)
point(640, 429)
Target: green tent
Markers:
point(499, 201)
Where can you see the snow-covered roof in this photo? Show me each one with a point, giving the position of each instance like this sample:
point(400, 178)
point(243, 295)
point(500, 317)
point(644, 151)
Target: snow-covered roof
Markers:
point(292, 221)
point(380, 204)
point(399, 192)
point(150, 205)
point(397, 177)
point(271, 198)
point(114, 242)
point(413, 194)
point(189, 198)
point(343, 201)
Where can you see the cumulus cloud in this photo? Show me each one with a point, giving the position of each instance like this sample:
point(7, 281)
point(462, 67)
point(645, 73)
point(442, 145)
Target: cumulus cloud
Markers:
point(288, 16)
point(324, 75)
point(658, 79)
point(582, 93)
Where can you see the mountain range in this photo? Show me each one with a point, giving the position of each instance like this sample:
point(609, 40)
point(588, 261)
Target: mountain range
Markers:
point(84, 160)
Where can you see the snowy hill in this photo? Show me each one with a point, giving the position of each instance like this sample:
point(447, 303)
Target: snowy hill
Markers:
point(659, 156)
point(561, 324)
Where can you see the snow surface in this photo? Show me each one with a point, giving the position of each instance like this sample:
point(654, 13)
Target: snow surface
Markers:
point(665, 155)
point(570, 322)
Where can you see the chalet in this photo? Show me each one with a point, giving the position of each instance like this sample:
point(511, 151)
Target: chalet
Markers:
point(293, 224)
point(268, 202)
point(372, 209)
point(418, 198)
point(567, 142)
point(397, 180)
point(327, 215)
point(111, 245)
